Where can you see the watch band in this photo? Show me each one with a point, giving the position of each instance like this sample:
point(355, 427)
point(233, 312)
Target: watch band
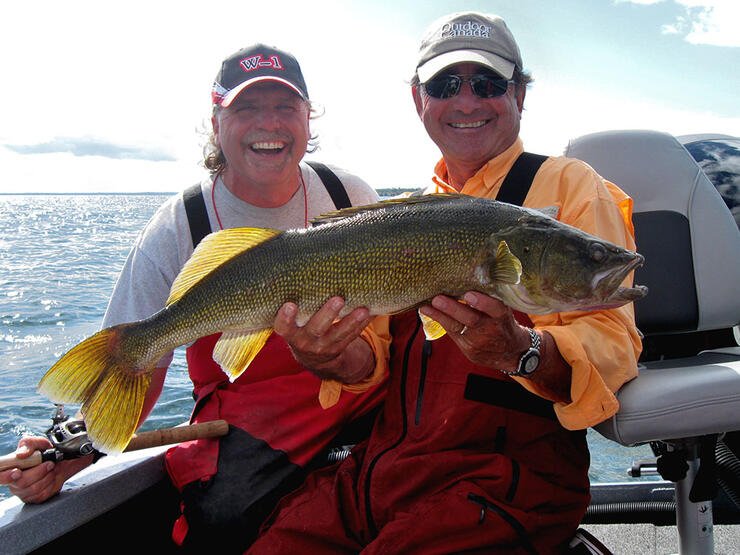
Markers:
point(530, 360)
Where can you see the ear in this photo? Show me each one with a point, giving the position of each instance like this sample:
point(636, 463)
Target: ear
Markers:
point(416, 93)
point(520, 99)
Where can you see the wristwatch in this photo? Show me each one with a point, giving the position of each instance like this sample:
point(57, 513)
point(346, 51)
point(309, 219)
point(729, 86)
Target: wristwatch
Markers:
point(530, 360)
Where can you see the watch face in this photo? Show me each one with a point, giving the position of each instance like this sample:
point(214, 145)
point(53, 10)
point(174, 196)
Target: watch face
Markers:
point(530, 363)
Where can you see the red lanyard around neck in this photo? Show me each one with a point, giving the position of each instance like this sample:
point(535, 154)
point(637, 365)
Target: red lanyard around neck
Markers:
point(305, 200)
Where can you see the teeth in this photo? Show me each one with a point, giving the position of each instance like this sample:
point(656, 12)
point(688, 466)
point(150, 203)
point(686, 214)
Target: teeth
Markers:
point(467, 125)
point(268, 145)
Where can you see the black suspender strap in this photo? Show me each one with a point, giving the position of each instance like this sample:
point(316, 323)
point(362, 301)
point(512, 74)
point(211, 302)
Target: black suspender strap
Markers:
point(333, 185)
point(195, 208)
point(516, 185)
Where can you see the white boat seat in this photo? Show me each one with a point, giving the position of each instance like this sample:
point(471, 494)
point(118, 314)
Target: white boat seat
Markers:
point(692, 269)
point(688, 388)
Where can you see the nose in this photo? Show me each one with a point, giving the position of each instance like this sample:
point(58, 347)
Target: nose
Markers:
point(466, 100)
point(269, 119)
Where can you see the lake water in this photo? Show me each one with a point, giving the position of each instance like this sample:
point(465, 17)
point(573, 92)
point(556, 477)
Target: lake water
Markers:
point(59, 259)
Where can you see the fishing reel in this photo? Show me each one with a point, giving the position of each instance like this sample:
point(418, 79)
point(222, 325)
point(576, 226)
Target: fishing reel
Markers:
point(68, 437)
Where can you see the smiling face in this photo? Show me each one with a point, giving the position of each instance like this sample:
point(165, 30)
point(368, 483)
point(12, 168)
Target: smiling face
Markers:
point(470, 130)
point(263, 135)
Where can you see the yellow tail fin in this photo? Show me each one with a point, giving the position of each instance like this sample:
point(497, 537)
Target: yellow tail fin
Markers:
point(111, 393)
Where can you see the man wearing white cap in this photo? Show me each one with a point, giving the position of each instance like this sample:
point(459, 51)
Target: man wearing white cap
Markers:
point(278, 422)
point(481, 443)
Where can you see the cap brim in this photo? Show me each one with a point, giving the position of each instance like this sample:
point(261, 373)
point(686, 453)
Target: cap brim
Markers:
point(430, 68)
point(236, 91)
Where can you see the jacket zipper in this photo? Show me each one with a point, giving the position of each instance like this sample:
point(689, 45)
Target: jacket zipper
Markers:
point(372, 528)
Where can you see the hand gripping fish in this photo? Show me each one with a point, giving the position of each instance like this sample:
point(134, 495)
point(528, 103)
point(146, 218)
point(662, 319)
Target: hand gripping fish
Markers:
point(389, 257)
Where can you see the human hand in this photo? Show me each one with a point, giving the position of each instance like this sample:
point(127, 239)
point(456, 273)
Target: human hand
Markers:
point(330, 348)
point(483, 328)
point(38, 483)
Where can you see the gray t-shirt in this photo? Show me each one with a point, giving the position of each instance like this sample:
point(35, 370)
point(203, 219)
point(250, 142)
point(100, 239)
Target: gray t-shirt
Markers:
point(164, 245)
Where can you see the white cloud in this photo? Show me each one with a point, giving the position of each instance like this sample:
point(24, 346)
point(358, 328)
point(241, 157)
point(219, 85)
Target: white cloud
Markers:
point(712, 23)
point(142, 75)
point(709, 22)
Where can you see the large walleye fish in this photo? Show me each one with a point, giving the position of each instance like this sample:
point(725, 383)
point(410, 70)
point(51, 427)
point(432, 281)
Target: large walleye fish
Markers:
point(389, 257)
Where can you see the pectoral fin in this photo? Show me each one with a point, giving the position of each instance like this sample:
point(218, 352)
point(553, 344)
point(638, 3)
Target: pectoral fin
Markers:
point(235, 350)
point(505, 268)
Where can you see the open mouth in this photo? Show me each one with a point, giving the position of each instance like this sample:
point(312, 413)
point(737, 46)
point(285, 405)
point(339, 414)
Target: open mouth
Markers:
point(269, 148)
point(469, 125)
point(612, 281)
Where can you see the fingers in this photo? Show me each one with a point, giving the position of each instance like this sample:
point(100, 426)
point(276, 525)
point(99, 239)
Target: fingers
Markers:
point(457, 317)
point(323, 324)
point(27, 445)
point(321, 342)
point(32, 485)
point(320, 322)
point(284, 324)
point(486, 304)
point(35, 484)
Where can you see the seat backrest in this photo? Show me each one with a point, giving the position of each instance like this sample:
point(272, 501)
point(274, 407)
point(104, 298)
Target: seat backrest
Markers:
point(682, 226)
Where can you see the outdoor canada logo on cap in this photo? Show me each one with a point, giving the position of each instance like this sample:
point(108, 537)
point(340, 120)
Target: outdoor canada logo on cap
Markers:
point(253, 64)
point(468, 37)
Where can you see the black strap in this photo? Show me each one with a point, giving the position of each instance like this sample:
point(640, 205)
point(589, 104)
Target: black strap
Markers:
point(333, 185)
point(516, 185)
point(509, 395)
point(195, 205)
point(195, 208)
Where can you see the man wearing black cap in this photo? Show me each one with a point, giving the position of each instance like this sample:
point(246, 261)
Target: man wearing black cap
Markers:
point(481, 443)
point(281, 415)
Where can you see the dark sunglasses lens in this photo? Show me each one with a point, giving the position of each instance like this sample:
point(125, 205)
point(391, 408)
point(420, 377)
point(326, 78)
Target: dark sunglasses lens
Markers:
point(486, 86)
point(445, 86)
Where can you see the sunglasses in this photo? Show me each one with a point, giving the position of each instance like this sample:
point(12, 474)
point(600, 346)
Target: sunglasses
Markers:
point(484, 86)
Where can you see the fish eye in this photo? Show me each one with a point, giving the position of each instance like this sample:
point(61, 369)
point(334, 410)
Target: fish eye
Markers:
point(597, 252)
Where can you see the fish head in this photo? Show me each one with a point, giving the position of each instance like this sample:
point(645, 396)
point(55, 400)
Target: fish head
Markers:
point(564, 268)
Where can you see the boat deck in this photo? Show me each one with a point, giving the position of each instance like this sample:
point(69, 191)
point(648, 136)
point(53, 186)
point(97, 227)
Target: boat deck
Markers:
point(649, 539)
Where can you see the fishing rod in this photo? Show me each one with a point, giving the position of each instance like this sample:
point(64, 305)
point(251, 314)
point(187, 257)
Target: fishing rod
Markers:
point(69, 440)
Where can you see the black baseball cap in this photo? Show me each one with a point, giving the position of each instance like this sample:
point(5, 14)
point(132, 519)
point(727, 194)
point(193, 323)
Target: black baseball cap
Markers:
point(254, 64)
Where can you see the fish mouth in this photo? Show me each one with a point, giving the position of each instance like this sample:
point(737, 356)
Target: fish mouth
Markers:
point(611, 283)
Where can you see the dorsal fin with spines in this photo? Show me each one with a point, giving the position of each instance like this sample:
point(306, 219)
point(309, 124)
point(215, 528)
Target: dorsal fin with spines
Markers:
point(214, 250)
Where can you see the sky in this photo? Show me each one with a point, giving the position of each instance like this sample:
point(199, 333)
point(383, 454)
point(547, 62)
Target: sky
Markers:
point(115, 97)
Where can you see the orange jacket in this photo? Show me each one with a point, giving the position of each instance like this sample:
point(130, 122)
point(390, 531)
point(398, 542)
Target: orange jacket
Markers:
point(602, 347)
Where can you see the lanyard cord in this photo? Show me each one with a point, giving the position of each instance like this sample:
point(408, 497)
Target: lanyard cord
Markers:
point(305, 199)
